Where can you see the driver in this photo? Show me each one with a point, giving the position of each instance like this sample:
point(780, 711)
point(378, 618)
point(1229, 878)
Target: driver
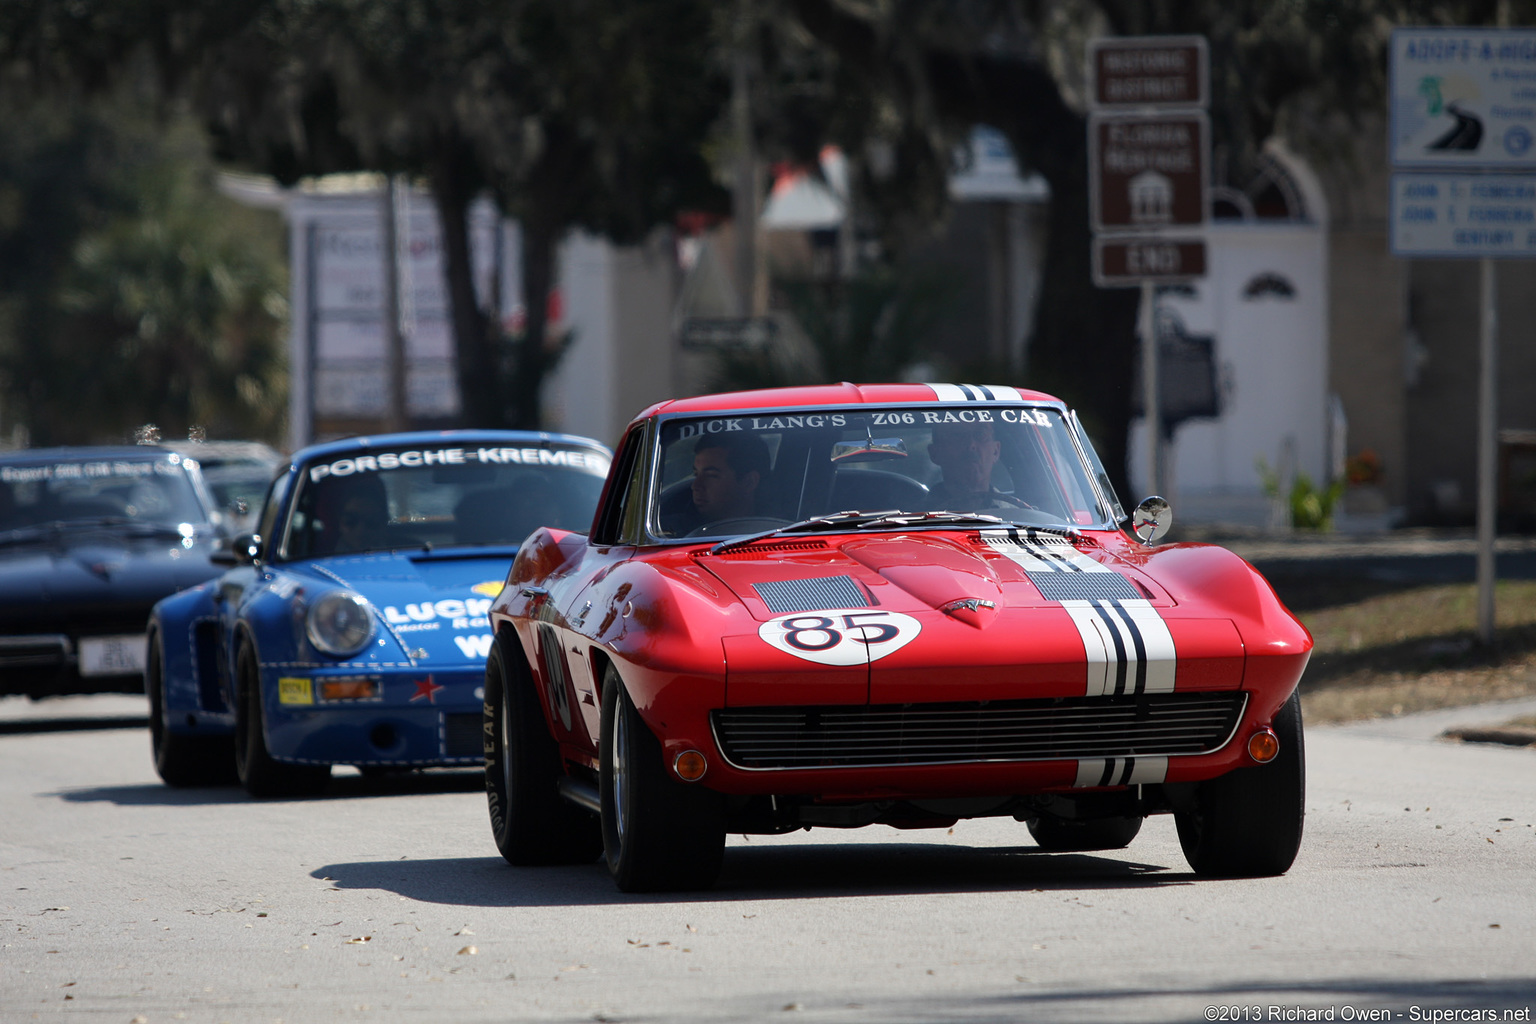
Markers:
point(965, 453)
point(727, 470)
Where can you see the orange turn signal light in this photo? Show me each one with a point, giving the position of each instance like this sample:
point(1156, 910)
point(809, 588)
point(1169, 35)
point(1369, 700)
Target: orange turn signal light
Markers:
point(349, 689)
point(690, 765)
point(1264, 746)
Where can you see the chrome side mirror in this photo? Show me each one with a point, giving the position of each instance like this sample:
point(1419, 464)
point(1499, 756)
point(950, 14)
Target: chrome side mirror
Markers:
point(1151, 519)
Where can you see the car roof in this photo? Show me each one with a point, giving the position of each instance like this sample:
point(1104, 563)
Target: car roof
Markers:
point(438, 437)
point(71, 453)
point(823, 395)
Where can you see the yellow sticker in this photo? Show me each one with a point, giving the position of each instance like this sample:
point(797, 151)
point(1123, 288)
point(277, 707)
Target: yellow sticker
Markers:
point(491, 589)
point(295, 691)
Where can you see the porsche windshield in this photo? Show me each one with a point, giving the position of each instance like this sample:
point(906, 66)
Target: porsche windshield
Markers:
point(98, 491)
point(441, 497)
point(731, 475)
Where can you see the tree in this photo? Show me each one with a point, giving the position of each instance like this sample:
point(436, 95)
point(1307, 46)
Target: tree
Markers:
point(1296, 66)
point(130, 290)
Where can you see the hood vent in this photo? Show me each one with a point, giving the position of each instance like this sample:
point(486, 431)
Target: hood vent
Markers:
point(760, 548)
point(1084, 586)
point(786, 596)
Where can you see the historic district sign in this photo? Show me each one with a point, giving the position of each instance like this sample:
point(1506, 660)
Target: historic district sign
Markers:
point(1149, 170)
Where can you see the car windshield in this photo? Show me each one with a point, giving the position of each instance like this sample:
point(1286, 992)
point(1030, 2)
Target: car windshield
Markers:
point(441, 497)
point(734, 475)
point(98, 491)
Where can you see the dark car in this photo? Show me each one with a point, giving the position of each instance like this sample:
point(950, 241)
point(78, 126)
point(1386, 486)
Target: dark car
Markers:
point(90, 539)
point(237, 474)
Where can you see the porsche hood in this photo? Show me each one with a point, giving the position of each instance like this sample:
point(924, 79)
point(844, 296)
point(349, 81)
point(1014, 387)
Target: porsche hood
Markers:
point(436, 609)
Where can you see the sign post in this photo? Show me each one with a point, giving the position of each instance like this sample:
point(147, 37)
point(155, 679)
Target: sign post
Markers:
point(1463, 148)
point(1149, 179)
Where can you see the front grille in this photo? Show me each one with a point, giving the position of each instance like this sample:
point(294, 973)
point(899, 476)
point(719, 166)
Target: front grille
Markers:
point(1027, 730)
point(462, 735)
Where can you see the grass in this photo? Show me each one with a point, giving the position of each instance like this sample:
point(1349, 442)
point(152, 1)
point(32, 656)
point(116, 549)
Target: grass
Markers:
point(1383, 651)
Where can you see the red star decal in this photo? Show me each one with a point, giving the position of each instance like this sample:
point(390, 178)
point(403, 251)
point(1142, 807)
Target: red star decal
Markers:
point(426, 688)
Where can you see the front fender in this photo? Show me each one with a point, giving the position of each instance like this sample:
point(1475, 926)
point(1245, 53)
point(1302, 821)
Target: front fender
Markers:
point(193, 683)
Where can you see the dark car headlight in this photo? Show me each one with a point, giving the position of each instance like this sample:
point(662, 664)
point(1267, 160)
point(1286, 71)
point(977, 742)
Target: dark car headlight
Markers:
point(340, 623)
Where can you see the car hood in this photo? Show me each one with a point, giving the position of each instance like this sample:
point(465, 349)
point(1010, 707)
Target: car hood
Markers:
point(992, 615)
point(436, 606)
point(972, 577)
point(96, 569)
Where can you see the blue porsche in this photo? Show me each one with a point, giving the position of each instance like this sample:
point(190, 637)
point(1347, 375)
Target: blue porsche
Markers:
point(352, 628)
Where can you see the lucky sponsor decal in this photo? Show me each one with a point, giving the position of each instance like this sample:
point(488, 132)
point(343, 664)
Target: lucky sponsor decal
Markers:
point(578, 459)
point(841, 636)
point(466, 614)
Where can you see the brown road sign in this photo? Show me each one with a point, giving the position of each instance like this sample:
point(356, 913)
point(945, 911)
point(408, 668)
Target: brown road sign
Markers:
point(1148, 172)
point(1148, 71)
point(1119, 262)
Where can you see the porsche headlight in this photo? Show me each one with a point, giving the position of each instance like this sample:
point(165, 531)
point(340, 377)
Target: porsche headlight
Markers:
point(340, 623)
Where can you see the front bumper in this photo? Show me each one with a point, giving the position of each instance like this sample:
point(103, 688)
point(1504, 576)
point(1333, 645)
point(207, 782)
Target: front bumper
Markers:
point(417, 720)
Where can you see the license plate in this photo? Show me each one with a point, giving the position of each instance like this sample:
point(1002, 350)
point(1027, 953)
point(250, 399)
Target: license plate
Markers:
point(113, 655)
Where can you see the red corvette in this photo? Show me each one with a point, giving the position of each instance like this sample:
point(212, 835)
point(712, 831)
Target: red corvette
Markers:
point(884, 604)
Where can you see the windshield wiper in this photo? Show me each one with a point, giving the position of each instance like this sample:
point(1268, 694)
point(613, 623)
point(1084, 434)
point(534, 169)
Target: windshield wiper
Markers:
point(891, 518)
point(139, 526)
point(24, 535)
point(836, 520)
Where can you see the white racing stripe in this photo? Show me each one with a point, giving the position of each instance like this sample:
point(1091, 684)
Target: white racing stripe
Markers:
point(1120, 771)
point(1128, 647)
point(1034, 551)
point(976, 393)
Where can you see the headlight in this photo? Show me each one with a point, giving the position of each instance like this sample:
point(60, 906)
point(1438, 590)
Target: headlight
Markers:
point(339, 623)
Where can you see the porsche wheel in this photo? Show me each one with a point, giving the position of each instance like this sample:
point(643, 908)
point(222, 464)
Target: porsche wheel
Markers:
point(658, 833)
point(181, 760)
point(259, 772)
point(532, 824)
point(1248, 822)
point(1060, 834)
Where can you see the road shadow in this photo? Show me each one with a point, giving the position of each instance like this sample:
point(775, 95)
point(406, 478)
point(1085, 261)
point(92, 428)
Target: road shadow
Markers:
point(22, 726)
point(341, 787)
point(766, 873)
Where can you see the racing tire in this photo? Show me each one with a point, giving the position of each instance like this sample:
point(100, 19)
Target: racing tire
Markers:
point(182, 761)
point(260, 773)
point(531, 822)
point(659, 834)
point(1065, 836)
point(1248, 823)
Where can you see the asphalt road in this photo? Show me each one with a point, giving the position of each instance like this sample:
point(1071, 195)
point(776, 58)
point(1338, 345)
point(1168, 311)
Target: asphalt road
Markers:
point(123, 901)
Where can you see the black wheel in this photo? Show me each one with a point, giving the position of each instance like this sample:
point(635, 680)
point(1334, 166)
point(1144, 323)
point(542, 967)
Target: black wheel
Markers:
point(260, 774)
point(658, 833)
point(531, 822)
point(1248, 822)
point(1091, 834)
point(181, 760)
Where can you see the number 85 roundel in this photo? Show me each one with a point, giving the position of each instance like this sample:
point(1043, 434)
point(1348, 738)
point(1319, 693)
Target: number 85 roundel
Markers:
point(840, 636)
